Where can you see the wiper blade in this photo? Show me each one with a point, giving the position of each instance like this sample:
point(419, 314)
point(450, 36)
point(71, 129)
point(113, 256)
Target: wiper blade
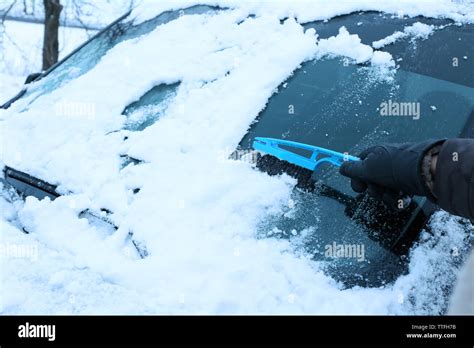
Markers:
point(27, 185)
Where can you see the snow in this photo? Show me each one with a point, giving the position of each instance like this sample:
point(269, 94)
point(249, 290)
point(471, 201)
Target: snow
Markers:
point(419, 30)
point(93, 14)
point(196, 214)
point(24, 42)
point(416, 31)
point(250, 276)
point(389, 40)
point(347, 45)
point(9, 86)
point(311, 10)
point(350, 46)
point(382, 59)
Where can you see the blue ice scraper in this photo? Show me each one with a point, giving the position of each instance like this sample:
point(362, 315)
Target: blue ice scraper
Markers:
point(318, 154)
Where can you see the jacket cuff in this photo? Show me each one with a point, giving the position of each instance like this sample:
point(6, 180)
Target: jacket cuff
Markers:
point(426, 173)
point(424, 162)
point(454, 177)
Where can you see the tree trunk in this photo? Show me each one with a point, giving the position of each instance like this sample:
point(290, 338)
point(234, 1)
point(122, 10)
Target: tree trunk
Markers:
point(52, 11)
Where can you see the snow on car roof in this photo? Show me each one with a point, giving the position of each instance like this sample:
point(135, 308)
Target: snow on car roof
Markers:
point(462, 12)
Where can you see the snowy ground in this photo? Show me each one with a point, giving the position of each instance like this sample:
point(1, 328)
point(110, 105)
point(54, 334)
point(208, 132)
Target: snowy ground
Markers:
point(196, 214)
point(22, 52)
point(93, 14)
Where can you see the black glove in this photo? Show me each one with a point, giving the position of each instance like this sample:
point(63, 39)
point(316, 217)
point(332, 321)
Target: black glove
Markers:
point(389, 172)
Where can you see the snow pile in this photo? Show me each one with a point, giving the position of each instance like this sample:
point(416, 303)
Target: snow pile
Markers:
point(416, 31)
point(350, 46)
point(434, 264)
point(384, 59)
point(419, 30)
point(88, 275)
point(345, 45)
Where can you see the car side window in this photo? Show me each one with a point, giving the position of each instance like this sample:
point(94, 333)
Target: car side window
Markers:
point(150, 107)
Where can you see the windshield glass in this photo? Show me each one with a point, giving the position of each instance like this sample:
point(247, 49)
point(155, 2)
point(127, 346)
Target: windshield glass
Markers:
point(148, 109)
point(443, 51)
point(91, 53)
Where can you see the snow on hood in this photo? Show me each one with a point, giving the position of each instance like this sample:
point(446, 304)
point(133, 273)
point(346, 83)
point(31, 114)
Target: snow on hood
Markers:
point(196, 211)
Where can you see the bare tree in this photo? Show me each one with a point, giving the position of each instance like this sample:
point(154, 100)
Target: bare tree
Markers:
point(52, 12)
point(29, 7)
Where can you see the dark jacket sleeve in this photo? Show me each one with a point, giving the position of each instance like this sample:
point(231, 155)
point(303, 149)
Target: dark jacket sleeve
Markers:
point(454, 177)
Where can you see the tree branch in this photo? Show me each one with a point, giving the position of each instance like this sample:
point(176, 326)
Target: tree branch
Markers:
point(4, 15)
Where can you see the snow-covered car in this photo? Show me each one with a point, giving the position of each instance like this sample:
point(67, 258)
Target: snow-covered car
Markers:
point(141, 139)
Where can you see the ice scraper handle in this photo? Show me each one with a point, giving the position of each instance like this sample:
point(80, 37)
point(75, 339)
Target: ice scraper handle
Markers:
point(282, 149)
point(279, 148)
